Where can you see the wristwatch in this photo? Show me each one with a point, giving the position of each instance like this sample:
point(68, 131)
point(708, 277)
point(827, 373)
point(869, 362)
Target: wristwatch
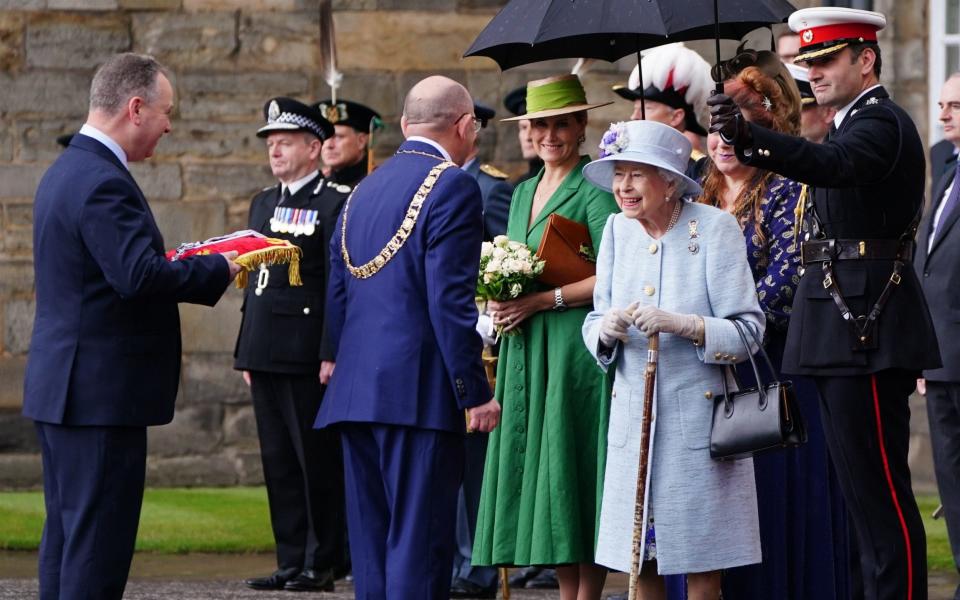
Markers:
point(558, 304)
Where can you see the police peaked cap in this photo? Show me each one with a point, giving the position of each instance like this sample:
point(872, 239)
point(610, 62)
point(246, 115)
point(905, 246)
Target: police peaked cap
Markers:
point(483, 113)
point(287, 114)
point(344, 112)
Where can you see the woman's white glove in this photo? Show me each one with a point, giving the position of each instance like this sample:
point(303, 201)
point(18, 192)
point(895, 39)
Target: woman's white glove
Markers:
point(650, 320)
point(614, 325)
point(487, 331)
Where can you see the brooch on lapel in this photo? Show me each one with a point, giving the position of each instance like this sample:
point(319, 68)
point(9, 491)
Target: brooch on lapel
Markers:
point(693, 246)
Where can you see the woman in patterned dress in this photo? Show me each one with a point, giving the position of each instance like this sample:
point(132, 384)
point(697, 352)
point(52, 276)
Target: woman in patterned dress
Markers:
point(541, 480)
point(802, 516)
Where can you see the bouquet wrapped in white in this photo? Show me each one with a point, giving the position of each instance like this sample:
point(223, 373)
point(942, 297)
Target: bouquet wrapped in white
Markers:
point(507, 270)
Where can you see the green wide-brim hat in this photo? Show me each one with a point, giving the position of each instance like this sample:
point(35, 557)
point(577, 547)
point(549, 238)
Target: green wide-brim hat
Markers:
point(555, 96)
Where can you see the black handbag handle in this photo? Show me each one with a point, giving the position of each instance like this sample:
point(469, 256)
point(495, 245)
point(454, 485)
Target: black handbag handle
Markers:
point(740, 325)
point(752, 329)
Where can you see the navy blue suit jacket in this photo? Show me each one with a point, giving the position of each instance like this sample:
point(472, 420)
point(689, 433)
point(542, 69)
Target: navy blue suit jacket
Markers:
point(106, 339)
point(407, 351)
point(496, 194)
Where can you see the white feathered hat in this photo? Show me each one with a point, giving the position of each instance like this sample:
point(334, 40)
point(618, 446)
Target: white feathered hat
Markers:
point(676, 76)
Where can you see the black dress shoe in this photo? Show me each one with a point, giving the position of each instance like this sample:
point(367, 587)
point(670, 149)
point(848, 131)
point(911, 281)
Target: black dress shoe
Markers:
point(276, 581)
point(311, 581)
point(522, 576)
point(546, 579)
point(462, 588)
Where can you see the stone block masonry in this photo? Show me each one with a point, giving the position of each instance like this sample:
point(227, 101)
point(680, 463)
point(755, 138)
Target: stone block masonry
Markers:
point(226, 58)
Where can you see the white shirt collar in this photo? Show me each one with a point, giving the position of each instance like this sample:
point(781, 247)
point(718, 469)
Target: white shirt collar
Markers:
point(91, 131)
point(428, 141)
point(469, 162)
point(297, 185)
point(842, 113)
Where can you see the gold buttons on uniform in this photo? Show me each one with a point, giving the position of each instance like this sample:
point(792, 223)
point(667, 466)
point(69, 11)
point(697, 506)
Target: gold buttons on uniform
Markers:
point(649, 290)
point(708, 395)
point(306, 310)
point(653, 248)
point(717, 356)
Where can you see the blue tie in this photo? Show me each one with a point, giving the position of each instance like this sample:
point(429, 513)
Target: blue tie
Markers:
point(951, 202)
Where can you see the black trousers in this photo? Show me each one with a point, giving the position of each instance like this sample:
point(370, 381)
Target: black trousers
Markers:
point(943, 412)
point(866, 420)
point(93, 489)
point(303, 470)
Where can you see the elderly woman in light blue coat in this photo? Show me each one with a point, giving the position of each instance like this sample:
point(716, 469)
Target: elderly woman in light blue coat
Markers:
point(679, 269)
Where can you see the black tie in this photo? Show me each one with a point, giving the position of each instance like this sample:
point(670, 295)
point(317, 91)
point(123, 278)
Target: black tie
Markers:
point(832, 132)
point(285, 196)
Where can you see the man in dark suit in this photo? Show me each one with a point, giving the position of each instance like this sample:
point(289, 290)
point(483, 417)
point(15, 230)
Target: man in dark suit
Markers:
point(937, 263)
point(943, 158)
point(279, 351)
point(401, 315)
point(345, 153)
point(104, 358)
point(516, 102)
point(860, 325)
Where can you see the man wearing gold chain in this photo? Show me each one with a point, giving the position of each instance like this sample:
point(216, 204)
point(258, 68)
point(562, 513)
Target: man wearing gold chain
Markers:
point(401, 316)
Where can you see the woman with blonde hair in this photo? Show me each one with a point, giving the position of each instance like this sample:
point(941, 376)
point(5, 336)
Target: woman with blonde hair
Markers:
point(802, 515)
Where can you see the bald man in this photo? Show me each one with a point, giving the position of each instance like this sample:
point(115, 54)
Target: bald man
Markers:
point(401, 316)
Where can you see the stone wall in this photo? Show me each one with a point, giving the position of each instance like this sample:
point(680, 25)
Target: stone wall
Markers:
point(226, 58)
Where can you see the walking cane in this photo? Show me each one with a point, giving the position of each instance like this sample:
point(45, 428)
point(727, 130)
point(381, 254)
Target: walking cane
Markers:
point(649, 379)
point(504, 583)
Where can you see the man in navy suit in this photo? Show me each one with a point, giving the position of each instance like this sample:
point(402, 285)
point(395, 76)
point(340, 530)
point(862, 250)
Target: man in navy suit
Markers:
point(401, 315)
point(104, 359)
point(937, 262)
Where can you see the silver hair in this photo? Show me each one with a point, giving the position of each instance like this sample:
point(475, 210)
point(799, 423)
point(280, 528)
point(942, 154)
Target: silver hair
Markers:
point(122, 77)
point(671, 178)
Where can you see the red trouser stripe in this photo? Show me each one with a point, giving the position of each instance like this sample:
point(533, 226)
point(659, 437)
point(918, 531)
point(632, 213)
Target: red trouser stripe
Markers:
point(893, 492)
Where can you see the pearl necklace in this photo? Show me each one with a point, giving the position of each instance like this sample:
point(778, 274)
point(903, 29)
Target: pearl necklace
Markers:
point(675, 215)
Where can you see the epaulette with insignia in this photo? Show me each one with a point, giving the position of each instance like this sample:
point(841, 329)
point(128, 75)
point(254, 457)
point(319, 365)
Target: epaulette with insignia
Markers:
point(872, 101)
point(340, 187)
point(492, 171)
point(268, 188)
point(696, 155)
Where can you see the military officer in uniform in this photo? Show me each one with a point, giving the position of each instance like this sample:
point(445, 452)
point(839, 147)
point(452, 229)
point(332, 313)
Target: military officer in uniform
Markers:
point(494, 187)
point(345, 153)
point(279, 351)
point(860, 325)
point(676, 82)
point(516, 102)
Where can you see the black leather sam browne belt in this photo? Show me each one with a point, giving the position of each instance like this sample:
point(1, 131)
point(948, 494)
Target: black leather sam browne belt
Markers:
point(825, 252)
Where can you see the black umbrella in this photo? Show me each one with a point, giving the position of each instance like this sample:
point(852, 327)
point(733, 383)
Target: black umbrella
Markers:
point(527, 31)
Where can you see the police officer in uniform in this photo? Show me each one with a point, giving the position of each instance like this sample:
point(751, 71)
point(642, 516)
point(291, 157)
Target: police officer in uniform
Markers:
point(860, 325)
point(279, 352)
point(345, 153)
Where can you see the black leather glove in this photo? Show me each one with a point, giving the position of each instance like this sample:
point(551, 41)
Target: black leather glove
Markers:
point(727, 120)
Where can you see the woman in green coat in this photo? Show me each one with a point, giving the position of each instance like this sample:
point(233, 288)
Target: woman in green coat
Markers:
point(543, 474)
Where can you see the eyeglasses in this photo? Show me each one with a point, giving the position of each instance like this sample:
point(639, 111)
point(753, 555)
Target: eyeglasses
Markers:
point(477, 123)
point(768, 63)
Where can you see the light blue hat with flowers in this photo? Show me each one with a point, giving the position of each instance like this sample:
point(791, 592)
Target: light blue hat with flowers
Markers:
point(644, 142)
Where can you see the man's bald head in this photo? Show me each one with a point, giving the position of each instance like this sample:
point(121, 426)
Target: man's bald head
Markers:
point(436, 108)
point(435, 103)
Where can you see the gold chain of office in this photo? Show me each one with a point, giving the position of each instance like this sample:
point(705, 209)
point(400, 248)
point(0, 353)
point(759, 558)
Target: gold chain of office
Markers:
point(371, 267)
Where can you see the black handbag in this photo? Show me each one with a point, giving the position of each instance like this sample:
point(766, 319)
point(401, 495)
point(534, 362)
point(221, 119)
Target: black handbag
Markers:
point(757, 419)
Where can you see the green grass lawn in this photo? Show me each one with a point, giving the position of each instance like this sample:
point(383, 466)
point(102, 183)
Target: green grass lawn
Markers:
point(176, 520)
point(173, 520)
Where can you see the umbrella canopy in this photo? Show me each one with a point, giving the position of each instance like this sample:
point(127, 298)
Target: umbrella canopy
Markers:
point(527, 31)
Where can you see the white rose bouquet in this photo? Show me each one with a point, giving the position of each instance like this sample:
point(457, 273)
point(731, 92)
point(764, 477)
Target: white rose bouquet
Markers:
point(507, 270)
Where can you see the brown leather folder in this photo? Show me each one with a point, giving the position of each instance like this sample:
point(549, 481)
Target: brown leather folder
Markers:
point(560, 251)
